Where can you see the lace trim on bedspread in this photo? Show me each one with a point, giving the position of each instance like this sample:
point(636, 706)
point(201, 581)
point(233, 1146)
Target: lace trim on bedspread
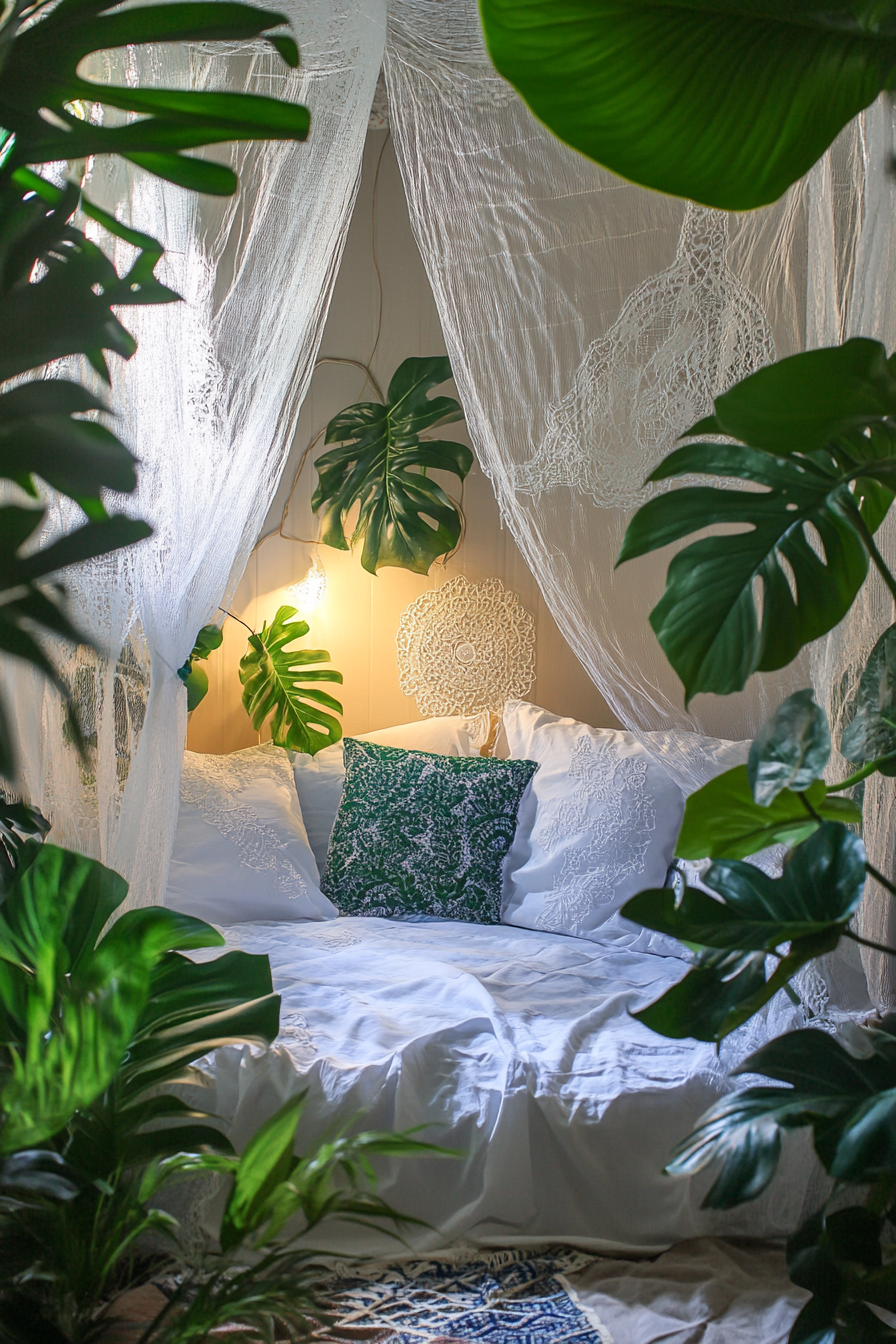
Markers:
point(210, 783)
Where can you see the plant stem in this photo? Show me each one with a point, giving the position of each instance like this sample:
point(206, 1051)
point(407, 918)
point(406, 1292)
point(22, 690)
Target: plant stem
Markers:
point(866, 770)
point(866, 942)
point(879, 877)
point(236, 618)
point(879, 562)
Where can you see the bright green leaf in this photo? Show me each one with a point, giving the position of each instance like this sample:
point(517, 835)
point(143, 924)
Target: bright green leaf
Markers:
point(275, 681)
point(721, 820)
point(791, 750)
point(195, 678)
point(727, 102)
point(383, 465)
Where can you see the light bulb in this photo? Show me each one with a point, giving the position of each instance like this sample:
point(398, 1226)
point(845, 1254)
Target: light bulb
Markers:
point(309, 594)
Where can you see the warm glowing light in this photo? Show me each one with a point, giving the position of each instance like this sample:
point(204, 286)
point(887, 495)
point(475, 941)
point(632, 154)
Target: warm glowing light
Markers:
point(308, 595)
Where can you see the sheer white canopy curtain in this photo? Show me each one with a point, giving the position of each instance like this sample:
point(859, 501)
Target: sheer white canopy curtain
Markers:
point(590, 322)
point(209, 406)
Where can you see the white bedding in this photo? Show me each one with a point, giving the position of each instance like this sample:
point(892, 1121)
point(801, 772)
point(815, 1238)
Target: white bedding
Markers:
point(516, 1047)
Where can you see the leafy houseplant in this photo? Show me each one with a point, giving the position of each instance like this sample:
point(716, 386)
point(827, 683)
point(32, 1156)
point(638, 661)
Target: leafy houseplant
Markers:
point(276, 682)
point(818, 430)
point(382, 466)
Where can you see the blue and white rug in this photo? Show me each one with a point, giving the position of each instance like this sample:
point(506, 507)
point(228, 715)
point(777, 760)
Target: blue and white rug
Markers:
point(505, 1298)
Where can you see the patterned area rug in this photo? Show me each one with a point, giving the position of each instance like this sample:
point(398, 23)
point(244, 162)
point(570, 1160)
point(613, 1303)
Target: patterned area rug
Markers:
point(502, 1299)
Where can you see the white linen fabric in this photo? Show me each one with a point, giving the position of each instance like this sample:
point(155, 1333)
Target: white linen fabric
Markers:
point(209, 406)
point(598, 824)
point(241, 851)
point(514, 1047)
point(319, 779)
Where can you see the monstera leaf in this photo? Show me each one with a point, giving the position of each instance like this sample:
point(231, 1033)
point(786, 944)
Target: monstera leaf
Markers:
point(805, 912)
point(722, 101)
point(849, 1101)
point(827, 462)
point(40, 76)
point(68, 1005)
point(382, 465)
point(194, 678)
point(872, 733)
point(276, 681)
point(723, 821)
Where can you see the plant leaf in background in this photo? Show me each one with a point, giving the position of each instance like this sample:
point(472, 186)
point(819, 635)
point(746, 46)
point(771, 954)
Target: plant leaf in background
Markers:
point(828, 472)
point(726, 102)
point(848, 1101)
point(872, 732)
point(22, 828)
point(277, 681)
point(791, 749)
point(382, 465)
point(806, 911)
point(722, 821)
point(196, 678)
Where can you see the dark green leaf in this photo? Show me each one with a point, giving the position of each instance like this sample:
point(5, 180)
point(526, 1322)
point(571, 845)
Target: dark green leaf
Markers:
point(806, 545)
point(872, 733)
point(727, 102)
point(382, 465)
point(798, 916)
point(195, 678)
point(791, 749)
point(721, 820)
point(77, 457)
point(267, 1161)
point(22, 828)
point(36, 1173)
point(275, 681)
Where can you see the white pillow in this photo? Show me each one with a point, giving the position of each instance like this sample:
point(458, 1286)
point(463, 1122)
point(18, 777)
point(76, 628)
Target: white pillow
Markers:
point(599, 825)
point(692, 759)
point(241, 851)
point(319, 779)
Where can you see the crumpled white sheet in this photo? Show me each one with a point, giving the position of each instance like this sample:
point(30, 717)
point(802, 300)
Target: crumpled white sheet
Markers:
point(515, 1047)
point(701, 1292)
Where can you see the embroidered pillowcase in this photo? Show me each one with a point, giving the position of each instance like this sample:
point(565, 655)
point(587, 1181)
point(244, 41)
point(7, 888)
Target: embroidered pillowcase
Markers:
point(319, 779)
point(418, 833)
point(599, 825)
point(241, 851)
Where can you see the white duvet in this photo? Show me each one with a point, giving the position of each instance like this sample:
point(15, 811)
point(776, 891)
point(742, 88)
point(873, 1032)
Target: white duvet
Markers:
point(513, 1046)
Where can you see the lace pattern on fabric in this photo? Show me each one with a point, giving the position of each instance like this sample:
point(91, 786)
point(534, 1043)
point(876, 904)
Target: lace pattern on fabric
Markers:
point(466, 647)
point(681, 338)
point(212, 784)
point(609, 799)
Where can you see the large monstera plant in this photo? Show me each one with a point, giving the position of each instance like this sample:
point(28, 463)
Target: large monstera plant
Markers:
point(725, 102)
point(59, 292)
point(405, 518)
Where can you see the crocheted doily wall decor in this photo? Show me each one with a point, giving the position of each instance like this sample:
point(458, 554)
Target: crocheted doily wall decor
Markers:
point(466, 647)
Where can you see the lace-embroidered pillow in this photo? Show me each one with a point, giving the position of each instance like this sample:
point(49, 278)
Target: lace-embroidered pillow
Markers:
point(599, 825)
point(241, 852)
point(423, 834)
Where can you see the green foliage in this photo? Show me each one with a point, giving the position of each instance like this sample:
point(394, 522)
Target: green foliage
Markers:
point(838, 1258)
point(722, 821)
point(849, 1102)
point(20, 827)
point(801, 915)
point(276, 681)
point(791, 750)
point(828, 475)
point(872, 733)
point(69, 1006)
point(195, 679)
point(382, 465)
point(58, 290)
point(637, 84)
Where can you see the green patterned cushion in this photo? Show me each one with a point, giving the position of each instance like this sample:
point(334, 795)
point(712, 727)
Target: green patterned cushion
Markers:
point(423, 834)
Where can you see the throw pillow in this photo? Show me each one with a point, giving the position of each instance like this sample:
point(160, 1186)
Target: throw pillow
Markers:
point(319, 778)
point(423, 834)
point(241, 851)
point(600, 824)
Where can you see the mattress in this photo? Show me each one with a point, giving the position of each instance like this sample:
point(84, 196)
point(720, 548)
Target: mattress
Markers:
point(515, 1048)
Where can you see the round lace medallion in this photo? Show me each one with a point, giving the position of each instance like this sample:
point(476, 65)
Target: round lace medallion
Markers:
point(466, 647)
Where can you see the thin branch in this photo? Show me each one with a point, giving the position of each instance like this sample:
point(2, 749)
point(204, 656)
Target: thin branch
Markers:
point(866, 942)
point(238, 619)
point(866, 770)
point(871, 548)
point(879, 877)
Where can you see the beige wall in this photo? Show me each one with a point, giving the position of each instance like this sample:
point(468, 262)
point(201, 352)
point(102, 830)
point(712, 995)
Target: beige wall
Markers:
point(359, 617)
